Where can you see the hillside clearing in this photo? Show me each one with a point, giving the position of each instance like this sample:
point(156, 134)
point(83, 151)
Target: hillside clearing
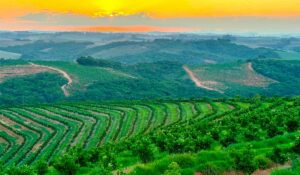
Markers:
point(20, 70)
point(231, 76)
point(199, 83)
point(63, 73)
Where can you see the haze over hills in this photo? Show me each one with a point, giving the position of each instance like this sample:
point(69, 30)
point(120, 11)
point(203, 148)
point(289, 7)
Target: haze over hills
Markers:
point(118, 66)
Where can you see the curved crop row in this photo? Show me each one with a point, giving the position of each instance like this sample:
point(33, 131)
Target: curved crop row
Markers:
point(46, 131)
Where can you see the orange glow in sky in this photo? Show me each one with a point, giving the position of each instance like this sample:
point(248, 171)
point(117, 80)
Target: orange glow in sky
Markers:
point(153, 8)
point(11, 10)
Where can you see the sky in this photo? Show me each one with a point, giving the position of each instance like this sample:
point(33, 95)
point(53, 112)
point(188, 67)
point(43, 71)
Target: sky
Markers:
point(225, 16)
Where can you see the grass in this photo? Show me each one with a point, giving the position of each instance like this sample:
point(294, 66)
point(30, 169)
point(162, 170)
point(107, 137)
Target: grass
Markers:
point(85, 75)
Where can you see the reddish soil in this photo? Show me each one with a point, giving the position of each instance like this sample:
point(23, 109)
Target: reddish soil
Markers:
point(14, 71)
point(198, 82)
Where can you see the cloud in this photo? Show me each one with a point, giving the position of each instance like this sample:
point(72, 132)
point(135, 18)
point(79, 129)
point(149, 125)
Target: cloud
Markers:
point(182, 15)
point(153, 8)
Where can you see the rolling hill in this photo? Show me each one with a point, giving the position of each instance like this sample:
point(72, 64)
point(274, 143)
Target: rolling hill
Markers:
point(133, 52)
point(158, 80)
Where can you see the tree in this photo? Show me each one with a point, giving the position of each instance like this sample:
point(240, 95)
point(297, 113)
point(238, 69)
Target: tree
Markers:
point(66, 165)
point(209, 169)
point(263, 162)
point(22, 170)
point(244, 160)
point(278, 156)
point(41, 167)
point(173, 169)
point(145, 150)
point(296, 147)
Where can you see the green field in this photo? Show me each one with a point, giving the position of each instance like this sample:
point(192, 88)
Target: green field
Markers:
point(33, 132)
point(202, 132)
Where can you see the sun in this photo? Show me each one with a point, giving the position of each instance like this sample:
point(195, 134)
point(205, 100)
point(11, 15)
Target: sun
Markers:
point(111, 8)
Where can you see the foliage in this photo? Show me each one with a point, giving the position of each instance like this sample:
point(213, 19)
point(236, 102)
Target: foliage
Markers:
point(173, 169)
point(263, 162)
point(198, 135)
point(278, 156)
point(90, 61)
point(41, 167)
point(285, 72)
point(21, 90)
point(22, 170)
point(244, 160)
point(66, 165)
point(296, 146)
point(12, 62)
point(144, 149)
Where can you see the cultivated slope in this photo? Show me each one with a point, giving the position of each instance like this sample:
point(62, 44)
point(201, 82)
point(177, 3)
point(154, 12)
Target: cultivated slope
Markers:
point(34, 132)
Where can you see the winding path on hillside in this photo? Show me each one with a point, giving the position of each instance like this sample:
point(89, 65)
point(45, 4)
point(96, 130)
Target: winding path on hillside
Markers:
point(197, 81)
point(63, 73)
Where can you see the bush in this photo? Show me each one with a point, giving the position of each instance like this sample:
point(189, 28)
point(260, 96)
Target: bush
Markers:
point(23, 170)
point(101, 171)
point(263, 162)
point(145, 170)
point(209, 169)
point(187, 171)
point(173, 169)
point(244, 161)
point(66, 165)
point(41, 167)
point(278, 156)
point(296, 147)
point(145, 150)
point(184, 160)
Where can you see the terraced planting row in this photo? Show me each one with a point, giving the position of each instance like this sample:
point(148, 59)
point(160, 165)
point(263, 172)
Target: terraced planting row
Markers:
point(33, 132)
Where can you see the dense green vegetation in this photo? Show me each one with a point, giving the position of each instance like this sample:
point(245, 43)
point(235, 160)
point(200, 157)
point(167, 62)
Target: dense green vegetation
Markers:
point(96, 79)
point(152, 137)
point(90, 61)
point(38, 88)
point(152, 80)
point(142, 81)
point(286, 73)
point(5, 62)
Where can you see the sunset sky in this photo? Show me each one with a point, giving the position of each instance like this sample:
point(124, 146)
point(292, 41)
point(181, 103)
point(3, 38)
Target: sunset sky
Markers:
point(264, 16)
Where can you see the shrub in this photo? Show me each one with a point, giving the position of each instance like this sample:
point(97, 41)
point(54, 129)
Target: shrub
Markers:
point(145, 150)
point(184, 160)
point(145, 170)
point(263, 162)
point(41, 167)
point(296, 147)
point(244, 161)
point(66, 165)
point(278, 156)
point(23, 170)
point(209, 169)
point(173, 169)
point(187, 171)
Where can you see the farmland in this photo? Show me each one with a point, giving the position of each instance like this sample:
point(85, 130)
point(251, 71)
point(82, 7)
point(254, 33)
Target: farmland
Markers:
point(33, 132)
point(175, 128)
